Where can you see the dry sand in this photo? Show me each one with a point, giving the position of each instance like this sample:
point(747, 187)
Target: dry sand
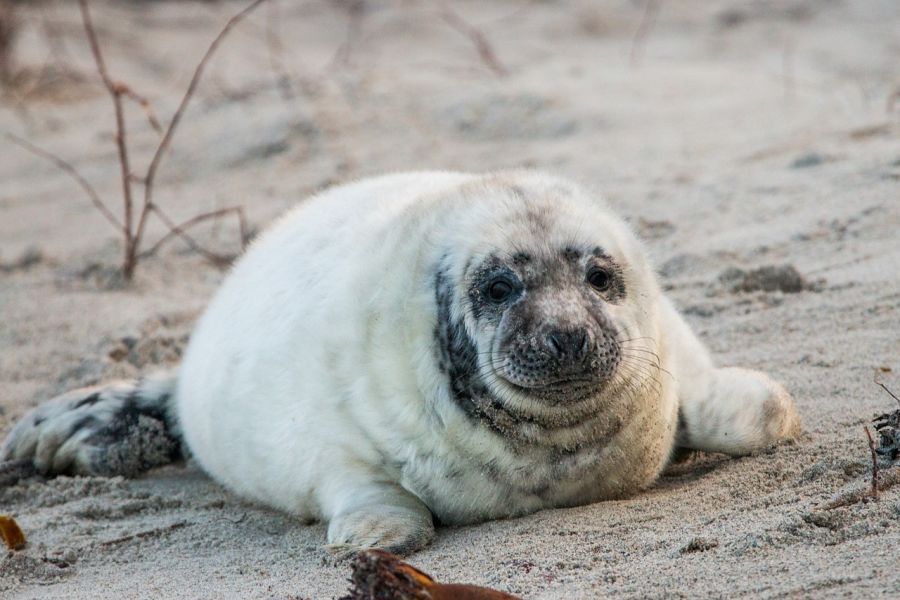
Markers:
point(740, 135)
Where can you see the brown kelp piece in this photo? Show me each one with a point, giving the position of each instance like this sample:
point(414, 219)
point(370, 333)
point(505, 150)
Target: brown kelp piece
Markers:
point(380, 575)
point(11, 533)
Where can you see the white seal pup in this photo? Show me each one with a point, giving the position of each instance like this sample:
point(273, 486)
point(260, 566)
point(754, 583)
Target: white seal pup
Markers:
point(426, 346)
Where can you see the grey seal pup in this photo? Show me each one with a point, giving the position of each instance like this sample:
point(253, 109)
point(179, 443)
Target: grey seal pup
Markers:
point(426, 347)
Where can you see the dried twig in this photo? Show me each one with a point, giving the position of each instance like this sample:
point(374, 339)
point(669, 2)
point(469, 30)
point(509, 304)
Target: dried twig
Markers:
point(115, 92)
point(874, 462)
point(144, 104)
point(859, 493)
point(648, 20)
point(885, 388)
point(144, 534)
point(179, 231)
point(73, 172)
point(133, 234)
point(477, 37)
point(179, 113)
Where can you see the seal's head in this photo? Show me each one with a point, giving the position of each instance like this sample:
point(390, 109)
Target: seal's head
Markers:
point(543, 320)
point(546, 308)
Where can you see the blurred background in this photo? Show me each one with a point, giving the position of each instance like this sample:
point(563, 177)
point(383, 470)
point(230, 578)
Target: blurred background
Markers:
point(633, 95)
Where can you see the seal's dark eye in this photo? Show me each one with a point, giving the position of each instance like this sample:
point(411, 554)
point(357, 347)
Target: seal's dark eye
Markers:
point(500, 290)
point(599, 279)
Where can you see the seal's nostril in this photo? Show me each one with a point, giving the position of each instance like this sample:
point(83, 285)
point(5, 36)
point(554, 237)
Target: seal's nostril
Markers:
point(580, 343)
point(569, 345)
point(555, 343)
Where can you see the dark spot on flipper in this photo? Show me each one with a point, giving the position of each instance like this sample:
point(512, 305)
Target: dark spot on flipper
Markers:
point(88, 401)
point(137, 436)
point(132, 444)
point(84, 423)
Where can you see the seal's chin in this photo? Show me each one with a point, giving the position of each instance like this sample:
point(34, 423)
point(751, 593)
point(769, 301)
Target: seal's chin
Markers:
point(552, 390)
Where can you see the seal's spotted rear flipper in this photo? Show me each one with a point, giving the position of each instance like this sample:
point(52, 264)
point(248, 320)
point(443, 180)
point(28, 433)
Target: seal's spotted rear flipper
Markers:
point(121, 429)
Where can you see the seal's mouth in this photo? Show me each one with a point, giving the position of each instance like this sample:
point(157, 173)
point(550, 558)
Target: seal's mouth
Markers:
point(549, 388)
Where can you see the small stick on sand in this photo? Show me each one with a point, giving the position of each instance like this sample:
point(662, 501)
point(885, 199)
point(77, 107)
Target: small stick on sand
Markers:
point(885, 388)
point(874, 462)
point(144, 534)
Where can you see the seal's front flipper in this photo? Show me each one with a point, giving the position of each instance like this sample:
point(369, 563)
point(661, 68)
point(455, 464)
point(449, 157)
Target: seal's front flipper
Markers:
point(730, 410)
point(378, 515)
point(740, 412)
point(123, 429)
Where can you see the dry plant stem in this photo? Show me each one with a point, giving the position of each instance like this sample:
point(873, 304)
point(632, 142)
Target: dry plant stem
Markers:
point(145, 105)
point(889, 478)
point(179, 231)
point(648, 20)
point(116, 91)
point(68, 168)
point(179, 113)
point(484, 48)
point(885, 388)
point(219, 260)
point(134, 234)
point(874, 462)
point(144, 534)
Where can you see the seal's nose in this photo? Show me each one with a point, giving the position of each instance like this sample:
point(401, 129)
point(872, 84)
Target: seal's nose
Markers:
point(567, 345)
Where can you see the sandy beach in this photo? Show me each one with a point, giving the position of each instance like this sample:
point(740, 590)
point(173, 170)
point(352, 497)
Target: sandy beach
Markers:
point(733, 136)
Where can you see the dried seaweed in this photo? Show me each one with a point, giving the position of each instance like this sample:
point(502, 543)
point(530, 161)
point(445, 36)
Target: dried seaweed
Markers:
point(380, 575)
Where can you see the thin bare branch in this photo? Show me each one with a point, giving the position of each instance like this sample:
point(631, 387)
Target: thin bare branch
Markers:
point(73, 172)
point(144, 104)
point(885, 388)
point(648, 20)
point(115, 91)
point(179, 113)
point(477, 37)
point(874, 462)
point(180, 229)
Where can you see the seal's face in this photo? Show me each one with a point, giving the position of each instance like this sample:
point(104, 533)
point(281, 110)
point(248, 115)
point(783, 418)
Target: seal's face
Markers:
point(544, 322)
